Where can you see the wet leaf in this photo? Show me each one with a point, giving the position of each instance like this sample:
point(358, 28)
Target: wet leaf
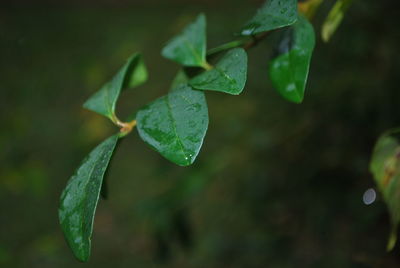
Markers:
point(189, 48)
point(385, 167)
point(79, 198)
point(132, 74)
point(289, 70)
point(175, 125)
point(229, 74)
point(334, 18)
point(272, 15)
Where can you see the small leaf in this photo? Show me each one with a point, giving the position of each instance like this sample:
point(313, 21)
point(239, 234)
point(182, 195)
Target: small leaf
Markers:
point(334, 18)
point(385, 167)
point(272, 15)
point(180, 78)
point(189, 48)
point(79, 199)
point(132, 74)
point(175, 125)
point(289, 70)
point(229, 75)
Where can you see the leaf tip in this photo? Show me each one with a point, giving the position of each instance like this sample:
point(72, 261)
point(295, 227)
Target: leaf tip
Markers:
point(392, 240)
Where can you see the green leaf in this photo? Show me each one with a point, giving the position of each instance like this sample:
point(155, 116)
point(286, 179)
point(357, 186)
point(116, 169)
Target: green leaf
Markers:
point(334, 18)
point(104, 192)
point(132, 74)
point(79, 199)
point(175, 125)
point(289, 70)
point(180, 78)
point(272, 15)
point(229, 74)
point(189, 48)
point(385, 167)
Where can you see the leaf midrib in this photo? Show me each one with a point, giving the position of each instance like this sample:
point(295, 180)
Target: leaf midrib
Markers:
point(86, 197)
point(232, 80)
point(169, 109)
point(187, 42)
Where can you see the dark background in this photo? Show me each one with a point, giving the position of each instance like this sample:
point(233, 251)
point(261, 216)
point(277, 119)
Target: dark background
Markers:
point(275, 185)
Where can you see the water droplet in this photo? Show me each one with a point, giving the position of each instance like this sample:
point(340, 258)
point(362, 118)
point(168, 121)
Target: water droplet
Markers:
point(291, 87)
point(247, 31)
point(190, 108)
point(369, 196)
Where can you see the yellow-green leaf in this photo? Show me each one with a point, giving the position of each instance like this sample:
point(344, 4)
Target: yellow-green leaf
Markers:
point(334, 18)
point(385, 167)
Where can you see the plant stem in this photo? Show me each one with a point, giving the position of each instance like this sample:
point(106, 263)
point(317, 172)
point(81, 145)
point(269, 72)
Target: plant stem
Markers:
point(125, 127)
point(246, 43)
point(207, 66)
point(226, 46)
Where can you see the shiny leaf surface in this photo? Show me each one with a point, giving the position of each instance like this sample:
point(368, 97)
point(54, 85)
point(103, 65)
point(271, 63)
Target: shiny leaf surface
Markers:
point(80, 197)
point(175, 125)
point(132, 74)
point(189, 48)
point(272, 15)
point(229, 74)
point(289, 70)
point(385, 167)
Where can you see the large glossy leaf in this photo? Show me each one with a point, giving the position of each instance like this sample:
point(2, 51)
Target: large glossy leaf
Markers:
point(272, 15)
point(229, 74)
point(189, 48)
point(334, 18)
point(289, 70)
point(385, 167)
point(175, 125)
point(80, 197)
point(132, 74)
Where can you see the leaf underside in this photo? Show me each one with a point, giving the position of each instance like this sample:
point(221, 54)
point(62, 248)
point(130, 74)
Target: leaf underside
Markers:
point(79, 198)
point(229, 74)
point(189, 48)
point(385, 167)
point(272, 15)
point(132, 74)
point(175, 125)
point(289, 70)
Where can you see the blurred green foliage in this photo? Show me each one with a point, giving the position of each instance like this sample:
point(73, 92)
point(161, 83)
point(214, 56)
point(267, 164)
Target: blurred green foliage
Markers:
point(275, 185)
